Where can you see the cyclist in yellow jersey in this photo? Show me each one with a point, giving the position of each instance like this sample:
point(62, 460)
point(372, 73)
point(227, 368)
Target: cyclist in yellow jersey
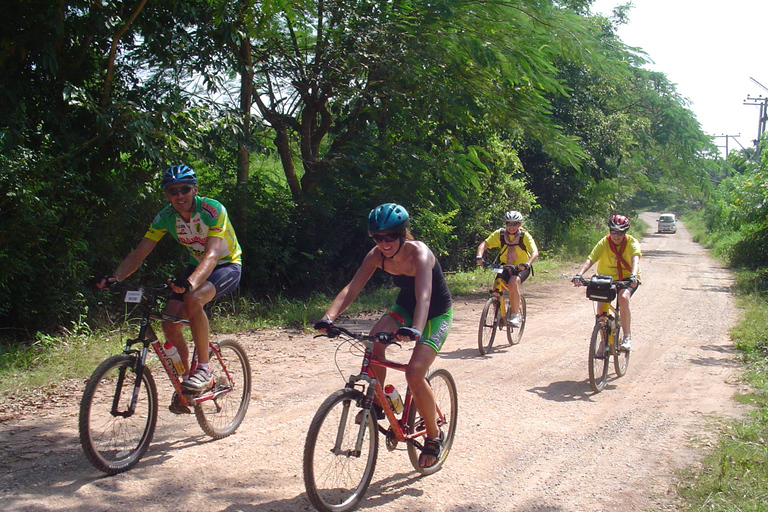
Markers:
point(617, 255)
point(202, 226)
point(517, 248)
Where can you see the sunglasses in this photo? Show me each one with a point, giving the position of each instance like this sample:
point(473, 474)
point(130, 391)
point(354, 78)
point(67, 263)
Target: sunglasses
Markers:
point(513, 223)
point(385, 238)
point(616, 232)
point(174, 191)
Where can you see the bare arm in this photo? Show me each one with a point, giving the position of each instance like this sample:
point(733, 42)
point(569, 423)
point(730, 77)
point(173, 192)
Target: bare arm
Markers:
point(133, 261)
point(424, 261)
point(213, 247)
point(481, 251)
point(583, 269)
point(348, 294)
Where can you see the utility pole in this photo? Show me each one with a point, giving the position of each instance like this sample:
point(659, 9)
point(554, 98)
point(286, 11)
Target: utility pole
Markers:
point(726, 142)
point(763, 104)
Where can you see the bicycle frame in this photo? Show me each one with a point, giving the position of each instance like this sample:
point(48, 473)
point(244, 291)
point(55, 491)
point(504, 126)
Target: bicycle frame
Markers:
point(147, 337)
point(375, 392)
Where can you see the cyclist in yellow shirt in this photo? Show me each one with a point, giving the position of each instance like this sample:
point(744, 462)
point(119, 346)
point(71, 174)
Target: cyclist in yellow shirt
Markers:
point(617, 255)
point(517, 248)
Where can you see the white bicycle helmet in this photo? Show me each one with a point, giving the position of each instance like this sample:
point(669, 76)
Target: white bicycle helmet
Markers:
point(513, 216)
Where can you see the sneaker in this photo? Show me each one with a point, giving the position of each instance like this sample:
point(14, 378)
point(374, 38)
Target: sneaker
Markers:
point(626, 343)
point(199, 381)
point(514, 320)
point(176, 406)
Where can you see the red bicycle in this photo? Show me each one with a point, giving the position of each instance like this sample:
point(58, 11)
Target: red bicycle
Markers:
point(342, 442)
point(118, 411)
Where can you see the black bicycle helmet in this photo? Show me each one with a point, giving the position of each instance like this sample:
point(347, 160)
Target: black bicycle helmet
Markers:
point(181, 173)
point(388, 218)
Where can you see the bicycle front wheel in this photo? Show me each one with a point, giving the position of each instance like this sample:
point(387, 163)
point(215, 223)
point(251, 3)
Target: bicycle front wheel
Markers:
point(114, 437)
point(447, 402)
point(339, 455)
point(598, 358)
point(489, 322)
point(515, 335)
point(221, 415)
point(620, 357)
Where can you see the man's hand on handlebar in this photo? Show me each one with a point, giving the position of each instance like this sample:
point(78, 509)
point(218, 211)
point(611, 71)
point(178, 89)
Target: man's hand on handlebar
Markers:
point(577, 280)
point(107, 281)
point(480, 261)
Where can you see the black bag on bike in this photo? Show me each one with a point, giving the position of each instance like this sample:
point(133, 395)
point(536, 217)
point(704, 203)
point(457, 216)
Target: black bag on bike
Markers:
point(601, 289)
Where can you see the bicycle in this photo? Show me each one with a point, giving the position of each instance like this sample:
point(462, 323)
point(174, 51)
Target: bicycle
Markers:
point(495, 310)
point(606, 335)
point(340, 454)
point(118, 410)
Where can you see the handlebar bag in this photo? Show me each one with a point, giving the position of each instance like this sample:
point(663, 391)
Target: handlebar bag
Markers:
point(601, 288)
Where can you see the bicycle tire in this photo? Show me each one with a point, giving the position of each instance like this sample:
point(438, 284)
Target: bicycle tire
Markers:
point(620, 357)
point(487, 331)
point(515, 335)
point(220, 417)
point(114, 443)
point(598, 358)
point(444, 388)
point(336, 479)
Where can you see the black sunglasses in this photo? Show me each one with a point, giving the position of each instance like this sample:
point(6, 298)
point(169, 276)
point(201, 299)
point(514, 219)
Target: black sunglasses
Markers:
point(386, 238)
point(513, 223)
point(173, 191)
point(616, 232)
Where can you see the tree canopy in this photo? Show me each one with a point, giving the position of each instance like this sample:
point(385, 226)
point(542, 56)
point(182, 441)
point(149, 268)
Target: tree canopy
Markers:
point(301, 115)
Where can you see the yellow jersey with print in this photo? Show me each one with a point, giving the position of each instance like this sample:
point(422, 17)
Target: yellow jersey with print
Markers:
point(209, 218)
point(513, 250)
point(607, 262)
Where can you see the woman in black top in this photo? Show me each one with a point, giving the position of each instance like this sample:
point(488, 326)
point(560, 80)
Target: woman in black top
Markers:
point(423, 311)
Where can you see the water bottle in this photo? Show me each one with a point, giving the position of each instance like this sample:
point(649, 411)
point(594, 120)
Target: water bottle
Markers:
point(393, 398)
point(173, 357)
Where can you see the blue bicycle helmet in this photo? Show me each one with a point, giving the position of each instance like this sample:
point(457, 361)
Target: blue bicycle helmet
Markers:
point(178, 174)
point(388, 218)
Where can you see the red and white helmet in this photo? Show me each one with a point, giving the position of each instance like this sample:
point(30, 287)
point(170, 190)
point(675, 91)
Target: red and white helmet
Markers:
point(619, 223)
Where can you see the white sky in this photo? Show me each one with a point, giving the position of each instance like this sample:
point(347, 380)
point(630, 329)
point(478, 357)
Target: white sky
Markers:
point(709, 49)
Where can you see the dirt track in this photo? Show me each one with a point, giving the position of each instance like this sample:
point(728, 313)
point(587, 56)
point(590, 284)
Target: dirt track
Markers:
point(531, 435)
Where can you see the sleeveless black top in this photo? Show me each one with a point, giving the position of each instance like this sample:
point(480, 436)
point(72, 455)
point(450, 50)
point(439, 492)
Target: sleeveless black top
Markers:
point(440, 301)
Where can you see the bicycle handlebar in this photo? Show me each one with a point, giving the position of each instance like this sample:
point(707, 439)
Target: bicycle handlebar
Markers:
point(513, 268)
point(386, 338)
point(623, 283)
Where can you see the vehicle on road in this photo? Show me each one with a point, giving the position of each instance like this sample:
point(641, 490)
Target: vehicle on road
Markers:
point(667, 223)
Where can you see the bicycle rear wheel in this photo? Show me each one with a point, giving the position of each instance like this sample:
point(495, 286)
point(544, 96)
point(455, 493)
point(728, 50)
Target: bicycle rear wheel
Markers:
point(620, 357)
point(598, 358)
point(489, 323)
point(515, 335)
point(336, 475)
point(220, 416)
point(113, 438)
point(444, 388)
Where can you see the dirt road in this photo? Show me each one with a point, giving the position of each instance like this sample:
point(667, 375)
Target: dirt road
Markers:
point(531, 435)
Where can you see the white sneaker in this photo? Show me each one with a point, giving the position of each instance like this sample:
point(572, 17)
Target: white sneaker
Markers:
point(514, 320)
point(626, 343)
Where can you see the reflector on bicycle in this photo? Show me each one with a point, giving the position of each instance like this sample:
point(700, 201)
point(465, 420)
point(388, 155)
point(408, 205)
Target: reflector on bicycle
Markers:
point(133, 296)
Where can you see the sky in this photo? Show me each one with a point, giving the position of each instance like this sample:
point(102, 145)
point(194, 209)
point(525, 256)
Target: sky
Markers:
point(710, 50)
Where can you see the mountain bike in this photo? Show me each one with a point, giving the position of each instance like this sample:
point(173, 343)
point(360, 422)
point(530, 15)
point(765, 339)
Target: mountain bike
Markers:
point(342, 442)
point(606, 335)
point(118, 410)
point(496, 313)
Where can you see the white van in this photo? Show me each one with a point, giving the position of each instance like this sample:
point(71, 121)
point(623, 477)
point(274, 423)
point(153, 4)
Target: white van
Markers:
point(667, 223)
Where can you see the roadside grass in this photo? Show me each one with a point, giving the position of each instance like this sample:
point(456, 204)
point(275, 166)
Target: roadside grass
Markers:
point(734, 474)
